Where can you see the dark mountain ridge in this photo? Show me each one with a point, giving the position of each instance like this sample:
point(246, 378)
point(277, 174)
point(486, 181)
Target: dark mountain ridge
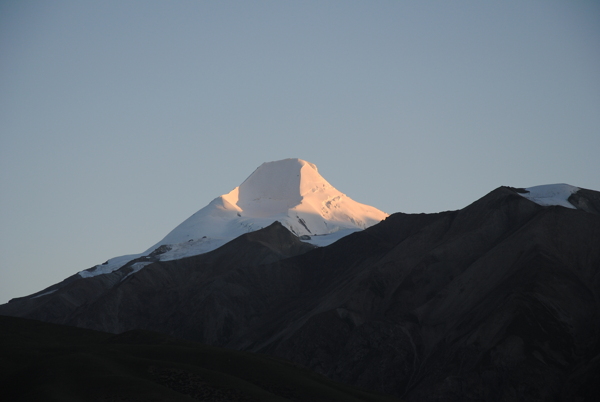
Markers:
point(497, 301)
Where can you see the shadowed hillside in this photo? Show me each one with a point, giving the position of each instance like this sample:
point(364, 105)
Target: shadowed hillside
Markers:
point(499, 301)
point(48, 362)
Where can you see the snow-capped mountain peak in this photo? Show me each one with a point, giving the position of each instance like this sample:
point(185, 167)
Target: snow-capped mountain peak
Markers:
point(290, 191)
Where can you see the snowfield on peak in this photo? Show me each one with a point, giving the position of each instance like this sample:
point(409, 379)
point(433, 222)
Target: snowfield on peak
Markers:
point(290, 191)
point(551, 194)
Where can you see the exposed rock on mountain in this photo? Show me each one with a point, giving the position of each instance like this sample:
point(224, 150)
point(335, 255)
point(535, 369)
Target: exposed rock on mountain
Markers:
point(498, 301)
point(586, 200)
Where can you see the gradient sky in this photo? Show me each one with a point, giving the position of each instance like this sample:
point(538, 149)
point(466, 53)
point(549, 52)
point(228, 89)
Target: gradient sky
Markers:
point(120, 119)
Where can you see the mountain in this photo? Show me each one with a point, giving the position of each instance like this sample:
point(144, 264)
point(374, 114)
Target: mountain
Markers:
point(289, 191)
point(498, 301)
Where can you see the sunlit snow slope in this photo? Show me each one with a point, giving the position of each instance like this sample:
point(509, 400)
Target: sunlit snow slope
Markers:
point(290, 191)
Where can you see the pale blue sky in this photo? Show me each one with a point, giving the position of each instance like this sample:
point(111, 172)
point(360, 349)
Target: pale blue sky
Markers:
point(120, 119)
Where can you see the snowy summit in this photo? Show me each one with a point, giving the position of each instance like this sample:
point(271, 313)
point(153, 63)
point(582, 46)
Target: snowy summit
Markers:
point(290, 191)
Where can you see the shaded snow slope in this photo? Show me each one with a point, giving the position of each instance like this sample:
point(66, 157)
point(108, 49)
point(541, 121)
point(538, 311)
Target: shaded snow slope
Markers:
point(290, 191)
point(551, 194)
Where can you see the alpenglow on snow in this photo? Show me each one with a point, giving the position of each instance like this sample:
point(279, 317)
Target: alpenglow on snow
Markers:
point(290, 191)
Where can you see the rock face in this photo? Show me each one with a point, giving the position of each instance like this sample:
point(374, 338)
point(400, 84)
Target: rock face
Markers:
point(499, 301)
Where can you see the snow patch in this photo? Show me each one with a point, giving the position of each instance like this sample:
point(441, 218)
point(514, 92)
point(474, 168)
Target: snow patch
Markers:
point(551, 194)
point(136, 267)
point(327, 239)
point(192, 248)
point(45, 293)
point(109, 266)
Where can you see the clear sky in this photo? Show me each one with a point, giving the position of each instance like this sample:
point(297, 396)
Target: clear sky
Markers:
point(120, 119)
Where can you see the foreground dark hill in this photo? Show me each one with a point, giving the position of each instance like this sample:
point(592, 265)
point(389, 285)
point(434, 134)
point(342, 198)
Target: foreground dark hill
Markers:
point(497, 301)
point(47, 362)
